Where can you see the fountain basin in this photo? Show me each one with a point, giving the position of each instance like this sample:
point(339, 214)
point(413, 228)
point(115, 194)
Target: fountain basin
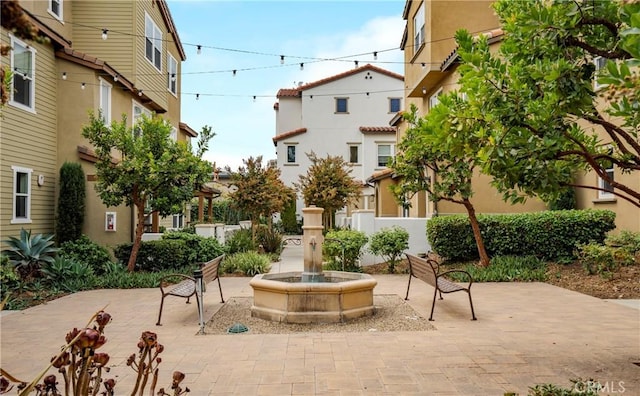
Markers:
point(284, 297)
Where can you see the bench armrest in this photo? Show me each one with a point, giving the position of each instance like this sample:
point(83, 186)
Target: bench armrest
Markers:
point(468, 275)
point(166, 280)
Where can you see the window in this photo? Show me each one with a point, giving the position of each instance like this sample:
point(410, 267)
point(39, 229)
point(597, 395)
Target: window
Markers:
point(178, 220)
point(353, 154)
point(153, 42)
point(342, 105)
point(174, 134)
point(22, 84)
point(21, 195)
point(395, 105)
point(172, 74)
point(105, 101)
point(291, 154)
point(435, 99)
point(600, 64)
point(385, 152)
point(138, 112)
point(55, 9)
point(606, 187)
point(418, 28)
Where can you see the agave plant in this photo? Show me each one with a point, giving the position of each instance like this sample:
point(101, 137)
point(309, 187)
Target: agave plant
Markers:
point(28, 253)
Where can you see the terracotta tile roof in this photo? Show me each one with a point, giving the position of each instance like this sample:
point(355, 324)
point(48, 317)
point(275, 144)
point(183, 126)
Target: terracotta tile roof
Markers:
point(287, 134)
point(297, 92)
point(492, 35)
point(188, 130)
point(381, 174)
point(367, 130)
point(288, 92)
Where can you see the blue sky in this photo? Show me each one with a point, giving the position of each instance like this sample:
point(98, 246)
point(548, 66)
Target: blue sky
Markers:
point(252, 35)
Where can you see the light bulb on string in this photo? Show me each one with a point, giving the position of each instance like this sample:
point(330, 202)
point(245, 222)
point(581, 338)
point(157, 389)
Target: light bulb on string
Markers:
point(173, 77)
point(199, 50)
point(282, 59)
point(356, 63)
point(375, 55)
point(140, 92)
point(83, 85)
point(115, 78)
point(254, 98)
point(234, 72)
point(302, 66)
point(104, 33)
point(64, 75)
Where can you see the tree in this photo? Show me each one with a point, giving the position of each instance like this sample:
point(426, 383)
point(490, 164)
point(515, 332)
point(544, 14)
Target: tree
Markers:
point(544, 120)
point(328, 184)
point(71, 203)
point(259, 191)
point(149, 168)
point(438, 155)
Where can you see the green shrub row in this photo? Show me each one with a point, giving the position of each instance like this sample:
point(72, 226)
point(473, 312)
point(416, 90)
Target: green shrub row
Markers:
point(505, 269)
point(550, 235)
point(246, 263)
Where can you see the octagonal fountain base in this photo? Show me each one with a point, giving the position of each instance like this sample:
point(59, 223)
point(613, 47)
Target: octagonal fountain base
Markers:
point(285, 298)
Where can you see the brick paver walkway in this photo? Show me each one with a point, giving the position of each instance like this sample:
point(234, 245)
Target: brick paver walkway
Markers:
point(526, 333)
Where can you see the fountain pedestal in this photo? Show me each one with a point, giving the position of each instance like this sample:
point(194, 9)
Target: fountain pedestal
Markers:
point(312, 296)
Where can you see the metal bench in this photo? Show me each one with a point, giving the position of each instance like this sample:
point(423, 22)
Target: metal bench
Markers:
point(428, 271)
point(184, 286)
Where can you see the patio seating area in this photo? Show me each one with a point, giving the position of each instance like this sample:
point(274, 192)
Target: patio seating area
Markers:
point(526, 334)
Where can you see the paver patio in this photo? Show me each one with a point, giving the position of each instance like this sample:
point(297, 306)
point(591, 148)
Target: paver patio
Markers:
point(526, 333)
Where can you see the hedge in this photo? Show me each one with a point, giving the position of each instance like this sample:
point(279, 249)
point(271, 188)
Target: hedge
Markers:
point(156, 255)
point(549, 235)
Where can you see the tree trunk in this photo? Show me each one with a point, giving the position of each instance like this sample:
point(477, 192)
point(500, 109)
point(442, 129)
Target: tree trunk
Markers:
point(138, 238)
point(475, 226)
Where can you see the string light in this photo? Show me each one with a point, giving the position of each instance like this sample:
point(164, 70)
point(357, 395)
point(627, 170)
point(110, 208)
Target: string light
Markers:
point(197, 96)
point(104, 33)
point(282, 59)
point(173, 77)
point(302, 66)
point(375, 55)
point(424, 91)
point(254, 98)
point(64, 75)
point(234, 72)
point(139, 92)
point(423, 65)
point(115, 78)
point(199, 51)
point(356, 63)
point(83, 86)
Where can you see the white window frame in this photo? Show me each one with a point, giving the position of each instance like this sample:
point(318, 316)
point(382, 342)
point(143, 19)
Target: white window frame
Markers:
point(179, 218)
point(32, 77)
point(399, 105)
point(390, 155)
point(419, 22)
point(153, 34)
point(59, 15)
point(174, 134)
point(135, 118)
point(295, 154)
point(434, 99)
point(15, 194)
point(600, 63)
point(604, 185)
point(105, 100)
point(172, 69)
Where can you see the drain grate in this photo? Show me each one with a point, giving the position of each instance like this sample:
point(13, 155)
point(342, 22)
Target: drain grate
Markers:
point(238, 328)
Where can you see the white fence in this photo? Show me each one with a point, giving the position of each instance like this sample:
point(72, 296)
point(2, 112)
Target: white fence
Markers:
point(365, 221)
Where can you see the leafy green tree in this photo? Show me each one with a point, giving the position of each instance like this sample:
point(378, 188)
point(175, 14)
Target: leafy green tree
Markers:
point(259, 191)
point(71, 203)
point(390, 243)
point(328, 184)
point(537, 101)
point(149, 168)
point(438, 155)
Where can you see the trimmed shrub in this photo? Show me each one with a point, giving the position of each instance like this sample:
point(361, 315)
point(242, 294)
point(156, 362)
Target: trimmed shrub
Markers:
point(390, 243)
point(602, 259)
point(71, 202)
point(343, 249)
point(159, 255)
point(247, 263)
point(550, 235)
point(84, 250)
point(199, 248)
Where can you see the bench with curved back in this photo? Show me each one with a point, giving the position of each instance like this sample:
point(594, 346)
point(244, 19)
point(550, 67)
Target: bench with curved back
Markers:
point(184, 286)
point(428, 271)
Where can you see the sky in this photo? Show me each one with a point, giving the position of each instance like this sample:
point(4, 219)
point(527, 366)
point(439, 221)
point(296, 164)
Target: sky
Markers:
point(250, 37)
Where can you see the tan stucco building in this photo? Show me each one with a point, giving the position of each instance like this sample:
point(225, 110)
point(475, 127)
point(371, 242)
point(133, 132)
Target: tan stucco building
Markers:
point(117, 57)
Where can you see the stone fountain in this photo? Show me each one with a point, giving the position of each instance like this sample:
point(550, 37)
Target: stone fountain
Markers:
point(312, 296)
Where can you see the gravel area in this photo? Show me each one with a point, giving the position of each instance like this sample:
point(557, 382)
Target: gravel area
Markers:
point(392, 314)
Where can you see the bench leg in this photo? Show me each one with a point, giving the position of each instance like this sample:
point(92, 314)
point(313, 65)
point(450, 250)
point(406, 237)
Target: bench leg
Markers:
point(433, 304)
point(473, 314)
point(440, 295)
point(220, 287)
point(408, 286)
point(160, 313)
